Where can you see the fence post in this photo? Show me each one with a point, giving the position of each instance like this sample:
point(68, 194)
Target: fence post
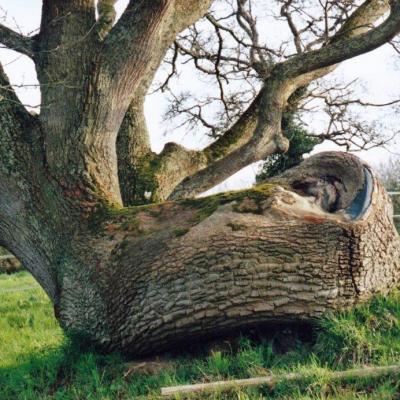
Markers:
point(392, 194)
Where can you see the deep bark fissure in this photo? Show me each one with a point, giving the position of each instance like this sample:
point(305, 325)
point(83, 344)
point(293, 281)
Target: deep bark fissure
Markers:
point(352, 260)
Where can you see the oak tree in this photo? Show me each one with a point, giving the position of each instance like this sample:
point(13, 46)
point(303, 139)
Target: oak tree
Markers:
point(138, 279)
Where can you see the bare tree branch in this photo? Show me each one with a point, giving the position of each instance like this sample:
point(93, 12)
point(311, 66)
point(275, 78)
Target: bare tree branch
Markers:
point(241, 43)
point(142, 36)
point(347, 44)
point(296, 34)
point(296, 72)
point(17, 42)
point(266, 139)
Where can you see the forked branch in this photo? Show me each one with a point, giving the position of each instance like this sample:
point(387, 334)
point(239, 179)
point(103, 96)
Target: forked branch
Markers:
point(354, 38)
point(344, 48)
point(141, 37)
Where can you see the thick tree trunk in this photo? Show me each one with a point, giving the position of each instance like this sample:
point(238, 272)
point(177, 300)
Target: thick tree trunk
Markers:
point(139, 279)
point(142, 279)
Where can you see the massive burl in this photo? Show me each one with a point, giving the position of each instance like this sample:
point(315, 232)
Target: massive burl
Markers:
point(316, 239)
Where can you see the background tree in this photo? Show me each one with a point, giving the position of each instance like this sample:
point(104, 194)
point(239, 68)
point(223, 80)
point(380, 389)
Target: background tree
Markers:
point(138, 279)
point(389, 173)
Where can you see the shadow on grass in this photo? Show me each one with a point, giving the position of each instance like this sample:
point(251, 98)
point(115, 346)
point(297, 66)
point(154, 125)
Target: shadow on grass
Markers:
point(68, 371)
point(370, 334)
point(74, 370)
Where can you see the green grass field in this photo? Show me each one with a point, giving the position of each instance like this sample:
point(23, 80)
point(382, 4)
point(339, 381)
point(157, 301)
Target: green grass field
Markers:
point(38, 362)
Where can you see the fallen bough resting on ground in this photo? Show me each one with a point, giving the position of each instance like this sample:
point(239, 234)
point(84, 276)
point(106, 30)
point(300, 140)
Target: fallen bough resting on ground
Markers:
point(316, 239)
point(141, 280)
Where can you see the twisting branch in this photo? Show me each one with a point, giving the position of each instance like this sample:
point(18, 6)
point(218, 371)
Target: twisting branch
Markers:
point(299, 71)
point(164, 86)
point(15, 41)
point(340, 50)
point(266, 139)
point(293, 28)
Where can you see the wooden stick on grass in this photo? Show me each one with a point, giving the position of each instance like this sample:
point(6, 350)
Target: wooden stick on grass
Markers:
point(271, 381)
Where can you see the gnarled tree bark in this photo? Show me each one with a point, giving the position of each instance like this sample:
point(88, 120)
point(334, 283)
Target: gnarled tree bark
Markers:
point(318, 238)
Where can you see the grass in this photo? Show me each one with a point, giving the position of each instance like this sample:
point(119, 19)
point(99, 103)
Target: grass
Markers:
point(38, 362)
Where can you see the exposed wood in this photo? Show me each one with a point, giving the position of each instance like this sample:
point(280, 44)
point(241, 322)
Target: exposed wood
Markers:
point(272, 380)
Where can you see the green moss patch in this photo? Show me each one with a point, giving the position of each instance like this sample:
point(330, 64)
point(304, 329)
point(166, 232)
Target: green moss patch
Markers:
point(182, 214)
point(208, 205)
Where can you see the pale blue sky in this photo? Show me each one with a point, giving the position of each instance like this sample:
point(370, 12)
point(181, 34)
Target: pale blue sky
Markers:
point(376, 72)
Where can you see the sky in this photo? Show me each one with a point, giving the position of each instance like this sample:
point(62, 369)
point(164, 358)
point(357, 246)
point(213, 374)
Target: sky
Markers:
point(377, 72)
